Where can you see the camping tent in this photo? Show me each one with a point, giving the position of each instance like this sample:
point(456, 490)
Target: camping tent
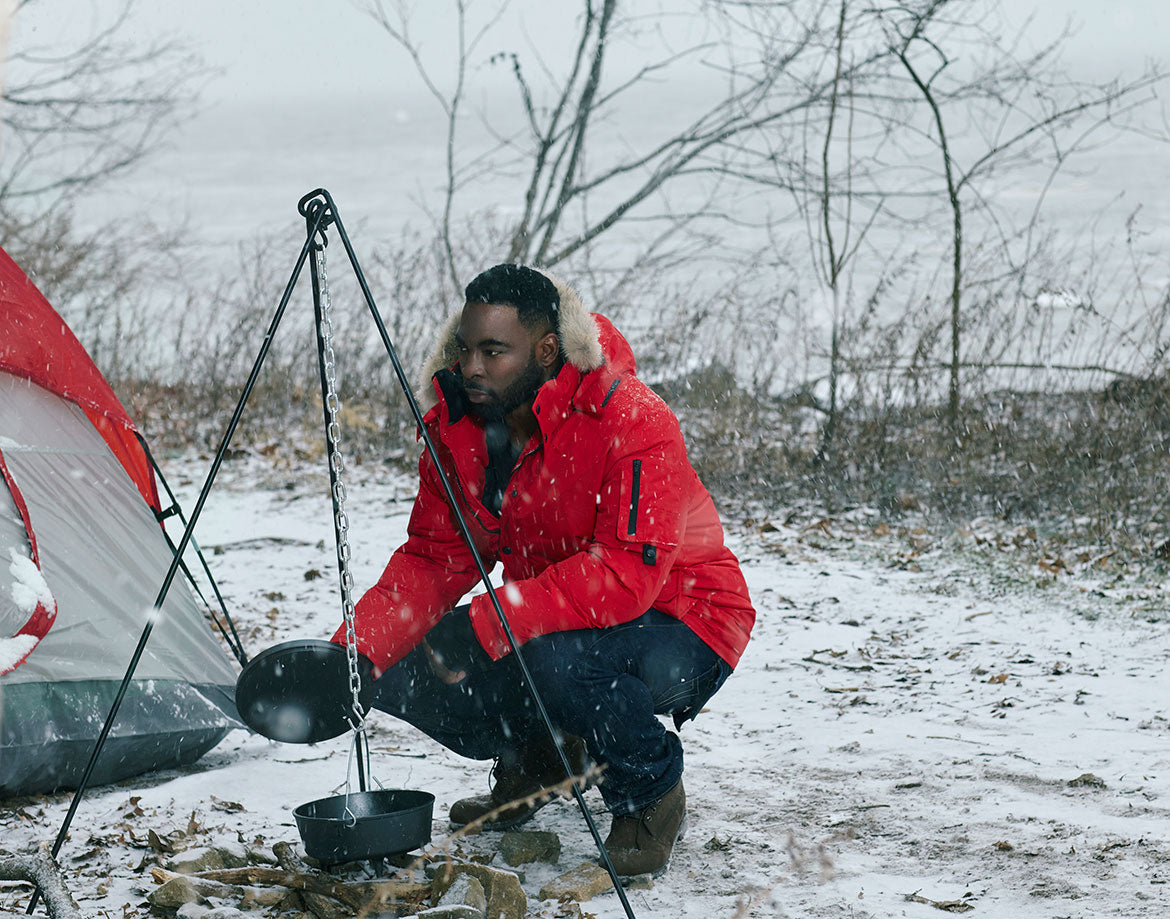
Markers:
point(82, 559)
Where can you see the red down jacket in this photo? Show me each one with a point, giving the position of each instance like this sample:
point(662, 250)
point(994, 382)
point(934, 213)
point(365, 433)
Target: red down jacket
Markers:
point(602, 518)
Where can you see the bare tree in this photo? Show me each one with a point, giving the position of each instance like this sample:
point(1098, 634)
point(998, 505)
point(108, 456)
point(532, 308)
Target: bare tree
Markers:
point(569, 184)
point(1006, 111)
point(78, 116)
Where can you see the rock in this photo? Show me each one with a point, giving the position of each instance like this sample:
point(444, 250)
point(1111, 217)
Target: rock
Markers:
point(195, 860)
point(521, 848)
point(583, 883)
point(466, 891)
point(173, 894)
point(505, 897)
point(1086, 780)
point(457, 911)
point(588, 880)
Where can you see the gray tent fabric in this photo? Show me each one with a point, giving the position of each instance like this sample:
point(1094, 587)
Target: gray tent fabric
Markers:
point(103, 556)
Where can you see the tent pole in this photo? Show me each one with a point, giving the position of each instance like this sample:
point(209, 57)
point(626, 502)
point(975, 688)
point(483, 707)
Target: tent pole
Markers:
point(170, 577)
point(307, 203)
point(234, 642)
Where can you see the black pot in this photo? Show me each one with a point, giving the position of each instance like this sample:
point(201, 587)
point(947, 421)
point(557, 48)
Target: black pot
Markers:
point(378, 824)
point(298, 691)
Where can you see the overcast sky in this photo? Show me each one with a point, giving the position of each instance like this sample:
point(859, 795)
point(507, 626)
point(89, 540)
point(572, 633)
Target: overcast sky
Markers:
point(262, 48)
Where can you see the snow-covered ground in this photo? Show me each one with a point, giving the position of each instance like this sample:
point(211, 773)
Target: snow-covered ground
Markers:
point(916, 719)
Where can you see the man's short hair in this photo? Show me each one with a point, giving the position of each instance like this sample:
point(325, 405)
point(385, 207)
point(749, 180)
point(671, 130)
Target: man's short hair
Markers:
point(532, 293)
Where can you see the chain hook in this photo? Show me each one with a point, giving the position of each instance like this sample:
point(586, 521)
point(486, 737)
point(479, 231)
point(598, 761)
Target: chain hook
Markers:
point(317, 209)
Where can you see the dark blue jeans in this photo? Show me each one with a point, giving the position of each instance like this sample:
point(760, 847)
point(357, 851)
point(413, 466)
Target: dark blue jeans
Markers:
point(603, 685)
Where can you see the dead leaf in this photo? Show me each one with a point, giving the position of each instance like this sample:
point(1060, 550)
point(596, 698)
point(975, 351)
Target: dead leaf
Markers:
point(1087, 780)
point(160, 844)
point(312, 574)
point(999, 678)
point(1004, 846)
point(219, 805)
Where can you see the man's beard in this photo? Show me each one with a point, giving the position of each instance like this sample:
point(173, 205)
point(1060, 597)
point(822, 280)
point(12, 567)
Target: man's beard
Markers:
point(520, 392)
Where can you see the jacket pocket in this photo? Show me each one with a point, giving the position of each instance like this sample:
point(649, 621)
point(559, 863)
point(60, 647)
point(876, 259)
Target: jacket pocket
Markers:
point(648, 507)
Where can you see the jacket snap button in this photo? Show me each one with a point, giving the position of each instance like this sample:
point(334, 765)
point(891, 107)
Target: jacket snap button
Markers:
point(513, 492)
point(507, 550)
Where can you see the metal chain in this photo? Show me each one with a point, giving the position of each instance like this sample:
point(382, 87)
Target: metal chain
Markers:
point(337, 466)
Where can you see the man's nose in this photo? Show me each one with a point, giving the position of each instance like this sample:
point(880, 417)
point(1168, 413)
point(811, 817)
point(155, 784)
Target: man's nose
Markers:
point(472, 365)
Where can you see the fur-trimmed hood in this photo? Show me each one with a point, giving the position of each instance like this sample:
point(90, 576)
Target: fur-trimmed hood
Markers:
point(580, 333)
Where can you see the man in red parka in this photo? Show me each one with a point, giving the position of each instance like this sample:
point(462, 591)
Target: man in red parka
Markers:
point(573, 474)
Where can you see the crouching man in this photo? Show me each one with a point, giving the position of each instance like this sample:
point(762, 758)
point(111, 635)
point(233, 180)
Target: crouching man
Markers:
point(573, 474)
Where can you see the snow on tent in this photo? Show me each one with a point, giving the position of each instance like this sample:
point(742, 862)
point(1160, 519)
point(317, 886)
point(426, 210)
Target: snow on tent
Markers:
point(82, 559)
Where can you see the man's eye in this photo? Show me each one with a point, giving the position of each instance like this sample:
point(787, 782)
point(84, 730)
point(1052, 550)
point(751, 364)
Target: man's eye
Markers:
point(493, 353)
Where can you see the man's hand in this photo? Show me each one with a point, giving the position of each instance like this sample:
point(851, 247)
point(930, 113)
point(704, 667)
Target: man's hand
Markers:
point(441, 670)
point(452, 648)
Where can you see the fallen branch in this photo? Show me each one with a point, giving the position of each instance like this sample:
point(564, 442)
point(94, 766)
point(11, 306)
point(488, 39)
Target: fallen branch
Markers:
point(359, 896)
point(42, 870)
point(947, 906)
point(321, 906)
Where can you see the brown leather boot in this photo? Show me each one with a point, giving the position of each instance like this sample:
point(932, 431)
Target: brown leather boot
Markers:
point(517, 792)
point(641, 843)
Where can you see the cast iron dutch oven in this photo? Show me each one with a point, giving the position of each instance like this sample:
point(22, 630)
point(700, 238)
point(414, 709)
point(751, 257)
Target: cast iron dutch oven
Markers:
point(365, 825)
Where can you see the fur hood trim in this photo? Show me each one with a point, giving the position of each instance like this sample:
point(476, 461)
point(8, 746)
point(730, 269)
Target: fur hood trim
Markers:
point(579, 332)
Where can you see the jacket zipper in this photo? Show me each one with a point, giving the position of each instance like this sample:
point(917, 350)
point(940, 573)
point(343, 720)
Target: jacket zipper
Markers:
point(457, 480)
point(633, 526)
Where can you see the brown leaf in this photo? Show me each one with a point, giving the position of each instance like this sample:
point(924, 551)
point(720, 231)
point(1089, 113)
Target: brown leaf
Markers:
point(1004, 846)
point(312, 574)
point(159, 843)
point(999, 678)
point(225, 805)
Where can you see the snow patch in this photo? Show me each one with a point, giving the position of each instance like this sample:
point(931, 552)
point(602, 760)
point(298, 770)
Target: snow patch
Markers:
point(28, 585)
point(13, 650)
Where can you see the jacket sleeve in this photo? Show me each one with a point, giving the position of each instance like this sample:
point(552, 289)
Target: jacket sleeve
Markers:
point(637, 531)
point(424, 578)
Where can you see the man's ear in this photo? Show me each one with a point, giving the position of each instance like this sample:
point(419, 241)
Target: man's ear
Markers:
point(548, 348)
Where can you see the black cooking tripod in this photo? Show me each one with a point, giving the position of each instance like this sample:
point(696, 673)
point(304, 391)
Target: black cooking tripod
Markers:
point(320, 213)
